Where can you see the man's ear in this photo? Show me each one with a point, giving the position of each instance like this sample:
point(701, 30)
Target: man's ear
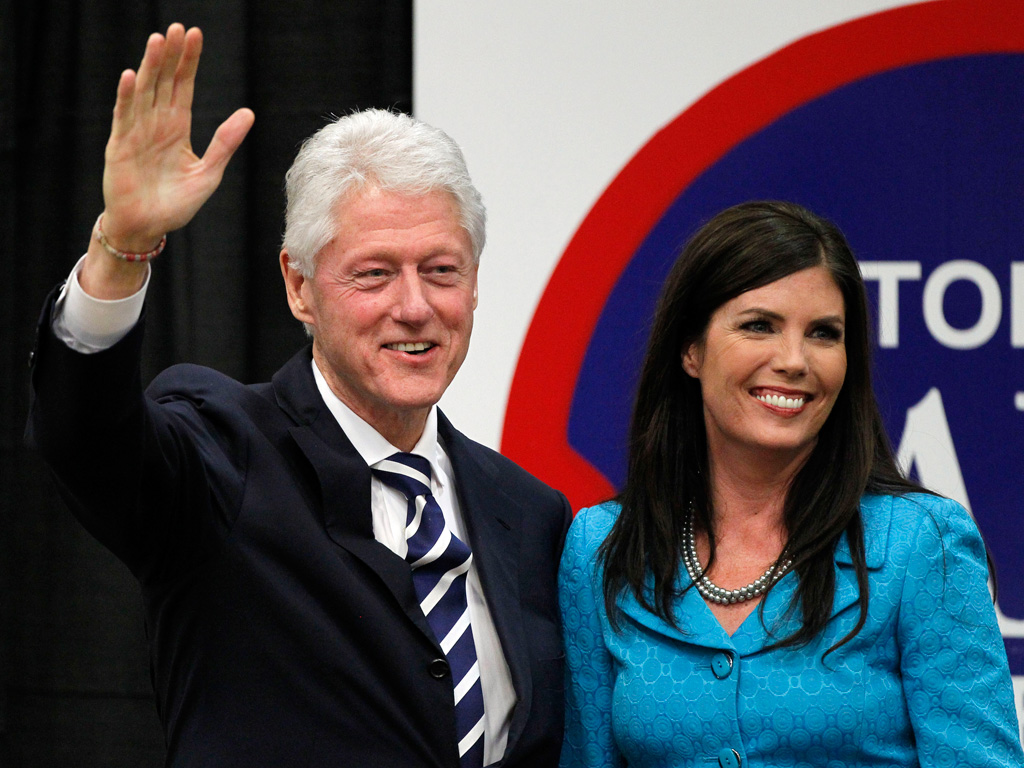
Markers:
point(297, 287)
point(691, 359)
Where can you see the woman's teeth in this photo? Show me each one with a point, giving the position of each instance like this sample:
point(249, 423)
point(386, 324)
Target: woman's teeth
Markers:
point(782, 402)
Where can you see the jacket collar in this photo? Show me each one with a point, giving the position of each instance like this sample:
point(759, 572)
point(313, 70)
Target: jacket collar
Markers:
point(876, 516)
point(702, 628)
point(341, 481)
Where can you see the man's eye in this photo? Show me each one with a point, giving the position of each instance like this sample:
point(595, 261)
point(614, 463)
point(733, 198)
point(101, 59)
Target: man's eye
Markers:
point(371, 275)
point(370, 278)
point(444, 273)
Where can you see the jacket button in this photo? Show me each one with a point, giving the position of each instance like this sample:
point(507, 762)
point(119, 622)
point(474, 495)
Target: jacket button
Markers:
point(439, 669)
point(721, 665)
point(729, 758)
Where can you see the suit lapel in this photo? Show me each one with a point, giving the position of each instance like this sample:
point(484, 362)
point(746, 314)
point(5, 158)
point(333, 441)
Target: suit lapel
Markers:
point(343, 481)
point(698, 625)
point(760, 630)
point(876, 516)
point(752, 637)
point(493, 521)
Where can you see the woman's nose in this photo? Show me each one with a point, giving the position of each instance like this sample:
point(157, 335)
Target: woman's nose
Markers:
point(790, 356)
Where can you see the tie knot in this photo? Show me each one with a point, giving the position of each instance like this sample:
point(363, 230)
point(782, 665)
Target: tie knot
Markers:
point(405, 472)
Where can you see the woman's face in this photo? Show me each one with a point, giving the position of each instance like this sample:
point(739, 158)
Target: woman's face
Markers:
point(771, 365)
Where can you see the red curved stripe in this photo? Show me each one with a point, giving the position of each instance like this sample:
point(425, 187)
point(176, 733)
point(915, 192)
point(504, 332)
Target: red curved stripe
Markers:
point(536, 420)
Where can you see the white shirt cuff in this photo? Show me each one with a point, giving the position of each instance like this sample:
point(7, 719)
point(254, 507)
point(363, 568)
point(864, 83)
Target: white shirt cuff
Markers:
point(87, 324)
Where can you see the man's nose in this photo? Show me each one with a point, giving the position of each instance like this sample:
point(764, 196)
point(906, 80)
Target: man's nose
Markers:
point(411, 303)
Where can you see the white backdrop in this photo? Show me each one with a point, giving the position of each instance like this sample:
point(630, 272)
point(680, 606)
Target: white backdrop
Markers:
point(549, 99)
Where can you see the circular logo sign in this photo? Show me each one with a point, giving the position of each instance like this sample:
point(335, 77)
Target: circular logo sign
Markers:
point(904, 128)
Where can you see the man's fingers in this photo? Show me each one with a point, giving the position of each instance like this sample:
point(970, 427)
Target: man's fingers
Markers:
point(175, 43)
point(151, 176)
point(123, 112)
point(227, 138)
point(149, 71)
point(185, 77)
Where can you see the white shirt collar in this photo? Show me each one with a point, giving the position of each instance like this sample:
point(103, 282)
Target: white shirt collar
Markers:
point(370, 444)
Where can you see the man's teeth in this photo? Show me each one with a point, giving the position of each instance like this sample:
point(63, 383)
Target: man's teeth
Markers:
point(782, 402)
point(419, 346)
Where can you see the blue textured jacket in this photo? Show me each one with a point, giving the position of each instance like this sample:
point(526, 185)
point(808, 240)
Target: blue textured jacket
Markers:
point(925, 681)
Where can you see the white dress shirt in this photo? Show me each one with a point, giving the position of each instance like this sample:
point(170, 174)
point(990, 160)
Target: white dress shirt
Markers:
point(90, 325)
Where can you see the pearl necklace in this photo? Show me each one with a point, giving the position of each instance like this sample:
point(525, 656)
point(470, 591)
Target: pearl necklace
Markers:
point(710, 591)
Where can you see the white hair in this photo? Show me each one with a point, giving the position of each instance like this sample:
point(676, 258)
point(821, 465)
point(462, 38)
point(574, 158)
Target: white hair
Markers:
point(375, 148)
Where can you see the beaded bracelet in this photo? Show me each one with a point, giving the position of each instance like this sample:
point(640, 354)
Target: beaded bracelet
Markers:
point(126, 255)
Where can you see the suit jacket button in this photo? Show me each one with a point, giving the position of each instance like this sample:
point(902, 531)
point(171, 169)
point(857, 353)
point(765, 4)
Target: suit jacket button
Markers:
point(721, 665)
point(439, 669)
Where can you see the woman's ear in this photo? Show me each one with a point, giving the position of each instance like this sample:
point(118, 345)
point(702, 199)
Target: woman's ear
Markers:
point(692, 360)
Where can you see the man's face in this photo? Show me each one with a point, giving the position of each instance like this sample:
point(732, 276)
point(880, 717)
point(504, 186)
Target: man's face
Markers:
point(391, 303)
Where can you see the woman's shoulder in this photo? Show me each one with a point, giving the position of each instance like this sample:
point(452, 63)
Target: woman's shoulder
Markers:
point(915, 521)
point(909, 510)
point(592, 525)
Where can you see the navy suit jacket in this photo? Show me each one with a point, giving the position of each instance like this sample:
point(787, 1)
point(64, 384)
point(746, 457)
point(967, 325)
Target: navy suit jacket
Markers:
point(281, 632)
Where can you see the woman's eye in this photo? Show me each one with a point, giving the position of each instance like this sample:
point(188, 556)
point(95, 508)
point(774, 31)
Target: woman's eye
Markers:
point(758, 326)
point(828, 332)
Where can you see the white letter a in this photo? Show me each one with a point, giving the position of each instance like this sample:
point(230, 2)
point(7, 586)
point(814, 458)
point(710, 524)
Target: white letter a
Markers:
point(927, 445)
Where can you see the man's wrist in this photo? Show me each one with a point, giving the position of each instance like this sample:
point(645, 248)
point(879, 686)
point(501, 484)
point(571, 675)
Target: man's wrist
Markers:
point(88, 324)
point(126, 255)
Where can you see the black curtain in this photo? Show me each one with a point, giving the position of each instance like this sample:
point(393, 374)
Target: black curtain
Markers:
point(74, 679)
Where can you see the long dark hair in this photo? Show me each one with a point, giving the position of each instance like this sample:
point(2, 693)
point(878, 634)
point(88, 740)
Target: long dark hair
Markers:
point(743, 248)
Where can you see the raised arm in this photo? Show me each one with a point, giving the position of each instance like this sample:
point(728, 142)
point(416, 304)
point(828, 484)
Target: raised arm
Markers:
point(153, 183)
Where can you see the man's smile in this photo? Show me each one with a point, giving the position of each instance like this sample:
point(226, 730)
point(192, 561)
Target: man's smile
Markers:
point(414, 347)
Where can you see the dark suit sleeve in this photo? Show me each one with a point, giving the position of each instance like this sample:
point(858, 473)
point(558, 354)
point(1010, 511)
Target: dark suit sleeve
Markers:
point(137, 473)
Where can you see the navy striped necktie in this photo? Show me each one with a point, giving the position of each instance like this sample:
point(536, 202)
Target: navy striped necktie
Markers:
point(440, 562)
